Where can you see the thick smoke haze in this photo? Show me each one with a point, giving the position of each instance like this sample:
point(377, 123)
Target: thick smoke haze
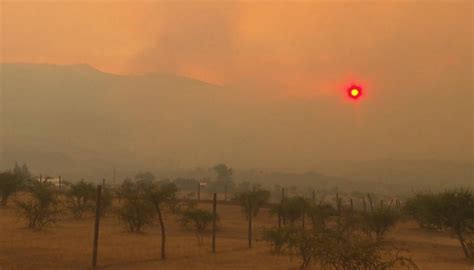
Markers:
point(269, 80)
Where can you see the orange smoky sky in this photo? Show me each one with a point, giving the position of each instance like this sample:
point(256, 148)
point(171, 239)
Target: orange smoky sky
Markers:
point(289, 62)
point(301, 47)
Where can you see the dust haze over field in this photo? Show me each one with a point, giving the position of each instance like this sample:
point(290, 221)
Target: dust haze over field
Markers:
point(169, 87)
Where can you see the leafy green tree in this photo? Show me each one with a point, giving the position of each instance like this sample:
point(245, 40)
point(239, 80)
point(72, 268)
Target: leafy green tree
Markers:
point(80, 198)
point(450, 210)
point(251, 202)
point(42, 208)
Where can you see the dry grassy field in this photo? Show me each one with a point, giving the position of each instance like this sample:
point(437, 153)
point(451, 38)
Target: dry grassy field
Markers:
point(68, 245)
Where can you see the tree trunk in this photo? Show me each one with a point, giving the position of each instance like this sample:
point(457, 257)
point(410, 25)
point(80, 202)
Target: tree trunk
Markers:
point(214, 216)
point(250, 228)
point(163, 236)
point(4, 200)
point(463, 244)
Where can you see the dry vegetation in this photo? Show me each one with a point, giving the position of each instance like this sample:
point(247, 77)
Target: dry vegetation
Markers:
point(68, 245)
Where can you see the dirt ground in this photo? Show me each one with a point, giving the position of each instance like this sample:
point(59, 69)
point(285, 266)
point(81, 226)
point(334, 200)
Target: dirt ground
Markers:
point(68, 245)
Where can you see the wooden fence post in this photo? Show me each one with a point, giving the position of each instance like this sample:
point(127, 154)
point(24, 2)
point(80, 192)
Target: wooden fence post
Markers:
point(279, 218)
point(250, 226)
point(303, 217)
point(96, 226)
point(225, 192)
point(365, 206)
point(199, 191)
point(279, 210)
point(60, 184)
point(214, 215)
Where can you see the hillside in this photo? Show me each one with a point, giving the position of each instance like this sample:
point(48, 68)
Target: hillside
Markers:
point(82, 123)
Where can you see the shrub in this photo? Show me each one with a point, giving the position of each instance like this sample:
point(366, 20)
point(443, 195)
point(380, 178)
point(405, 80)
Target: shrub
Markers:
point(292, 209)
point(9, 184)
point(12, 181)
point(107, 199)
point(197, 220)
point(320, 214)
point(81, 198)
point(451, 210)
point(135, 210)
point(336, 249)
point(143, 199)
point(42, 208)
point(379, 221)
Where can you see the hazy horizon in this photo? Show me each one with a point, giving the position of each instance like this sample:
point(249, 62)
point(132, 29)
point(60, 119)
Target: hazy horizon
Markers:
point(266, 89)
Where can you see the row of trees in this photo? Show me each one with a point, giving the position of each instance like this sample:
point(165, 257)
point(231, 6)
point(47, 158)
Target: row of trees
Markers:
point(314, 230)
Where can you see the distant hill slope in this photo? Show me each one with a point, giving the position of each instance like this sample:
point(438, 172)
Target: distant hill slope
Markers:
point(79, 118)
point(81, 122)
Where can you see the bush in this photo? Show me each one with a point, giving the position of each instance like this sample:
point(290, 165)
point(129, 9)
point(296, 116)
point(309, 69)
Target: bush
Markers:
point(197, 220)
point(81, 198)
point(292, 209)
point(336, 249)
point(135, 210)
point(320, 214)
point(379, 221)
point(12, 181)
point(451, 210)
point(421, 207)
point(9, 184)
point(107, 199)
point(42, 208)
